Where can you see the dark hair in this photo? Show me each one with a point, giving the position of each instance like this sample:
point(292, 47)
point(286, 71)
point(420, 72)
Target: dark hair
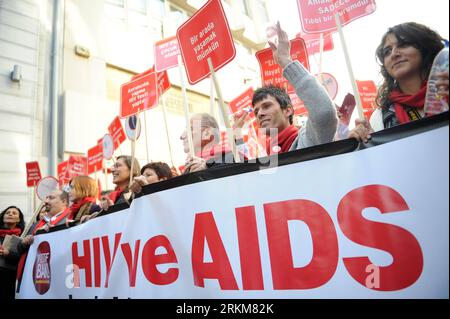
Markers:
point(161, 169)
point(427, 41)
point(277, 93)
point(21, 223)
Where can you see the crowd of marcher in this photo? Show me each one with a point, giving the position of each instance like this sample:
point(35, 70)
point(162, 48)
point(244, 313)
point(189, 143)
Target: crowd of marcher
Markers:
point(405, 54)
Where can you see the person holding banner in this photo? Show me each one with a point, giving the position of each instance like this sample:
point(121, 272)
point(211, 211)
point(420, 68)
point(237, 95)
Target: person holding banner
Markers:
point(274, 111)
point(208, 149)
point(405, 55)
point(121, 171)
point(151, 173)
point(12, 223)
point(83, 192)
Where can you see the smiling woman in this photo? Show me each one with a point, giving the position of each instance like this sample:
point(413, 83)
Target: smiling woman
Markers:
point(12, 223)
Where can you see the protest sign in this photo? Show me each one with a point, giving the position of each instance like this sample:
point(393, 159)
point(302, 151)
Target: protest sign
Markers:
point(166, 54)
point(116, 131)
point(95, 159)
point(138, 95)
point(77, 165)
point(317, 16)
point(33, 173)
point(272, 73)
point(368, 92)
point(206, 35)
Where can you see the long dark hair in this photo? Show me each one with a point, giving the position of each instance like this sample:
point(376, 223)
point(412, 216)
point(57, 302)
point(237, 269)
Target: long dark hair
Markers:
point(21, 223)
point(419, 36)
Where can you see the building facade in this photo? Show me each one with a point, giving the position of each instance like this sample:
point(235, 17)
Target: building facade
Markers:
point(75, 54)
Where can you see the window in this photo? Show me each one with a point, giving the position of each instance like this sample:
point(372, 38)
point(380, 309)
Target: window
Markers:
point(157, 8)
point(262, 10)
point(244, 7)
point(139, 6)
point(117, 3)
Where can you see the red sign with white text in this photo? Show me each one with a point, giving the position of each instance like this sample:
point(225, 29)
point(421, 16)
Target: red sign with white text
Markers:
point(299, 106)
point(272, 73)
point(138, 95)
point(318, 16)
point(62, 168)
point(312, 42)
point(77, 165)
point(242, 101)
point(206, 35)
point(163, 80)
point(166, 54)
point(33, 174)
point(368, 92)
point(95, 159)
point(117, 132)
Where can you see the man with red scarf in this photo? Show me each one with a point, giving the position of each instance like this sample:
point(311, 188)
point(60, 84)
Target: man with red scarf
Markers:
point(56, 205)
point(209, 149)
point(274, 112)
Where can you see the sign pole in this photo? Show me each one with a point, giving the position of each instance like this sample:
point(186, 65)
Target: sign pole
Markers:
point(31, 222)
point(133, 148)
point(225, 114)
point(165, 124)
point(34, 195)
point(321, 58)
point(186, 109)
point(349, 68)
point(212, 97)
point(105, 172)
point(146, 139)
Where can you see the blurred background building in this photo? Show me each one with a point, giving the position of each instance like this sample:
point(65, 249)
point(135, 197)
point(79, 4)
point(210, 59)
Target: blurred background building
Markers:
point(73, 56)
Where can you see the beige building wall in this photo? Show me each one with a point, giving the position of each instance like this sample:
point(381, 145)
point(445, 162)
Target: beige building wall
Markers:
point(24, 35)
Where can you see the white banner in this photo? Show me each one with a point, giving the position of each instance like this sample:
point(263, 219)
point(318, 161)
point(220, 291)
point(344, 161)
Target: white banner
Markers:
point(368, 224)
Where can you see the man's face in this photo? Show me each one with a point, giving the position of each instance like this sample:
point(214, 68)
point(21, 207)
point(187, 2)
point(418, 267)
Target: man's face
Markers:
point(54, 204)
point(269, 115)
point(200, 135)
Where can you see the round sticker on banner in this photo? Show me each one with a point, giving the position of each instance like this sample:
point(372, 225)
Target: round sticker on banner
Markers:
point(133, 127)
point(330, 83)
point(45, 186)
point(108, 146)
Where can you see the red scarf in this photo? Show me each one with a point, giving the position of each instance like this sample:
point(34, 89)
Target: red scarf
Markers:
point(15, 231)
point(218, 149)
point(401, 100)
point(283, 142)
point(77, 205)
point(114, 196)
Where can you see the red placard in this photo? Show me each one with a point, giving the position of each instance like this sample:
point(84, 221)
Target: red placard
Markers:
point(272, 73)
point(115, 129)
point(62, 168)
point(368, 92)
point(33, 173)
point(166, 54)
point(318, 16)
point(138, 95)
point(206, 35)
point(163, 80)
point(95, 159)
point(312, 42)
point(299, 106)
point(77, 165)
point(242, 101)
